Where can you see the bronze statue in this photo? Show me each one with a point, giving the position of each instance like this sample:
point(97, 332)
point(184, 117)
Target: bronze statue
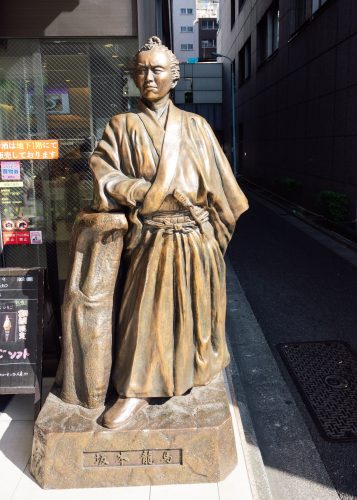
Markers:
point(164, 169)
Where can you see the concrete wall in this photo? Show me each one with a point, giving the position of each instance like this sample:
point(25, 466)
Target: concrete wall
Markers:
point(58, 18)
point(147, 25)
point(204, 80)
point(298, 110)
point(179, 20)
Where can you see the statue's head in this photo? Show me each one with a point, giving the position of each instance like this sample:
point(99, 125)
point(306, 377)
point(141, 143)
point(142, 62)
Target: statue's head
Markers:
point(156, 70)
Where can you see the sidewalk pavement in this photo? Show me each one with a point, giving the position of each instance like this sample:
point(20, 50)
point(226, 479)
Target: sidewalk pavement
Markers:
point(300, 284)
point(273, 427)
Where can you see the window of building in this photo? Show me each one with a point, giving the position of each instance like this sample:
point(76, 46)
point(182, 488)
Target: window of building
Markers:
point(244, 62)
point(208, 44)
point(303, 10)
point(241, 153)
point(268, 33)
point(186, 29)
point(233, 75)
point(299, 14)
point(233, 12)
point(316, 4)
point(186, 12)
point(186, 46)
point(209, 25)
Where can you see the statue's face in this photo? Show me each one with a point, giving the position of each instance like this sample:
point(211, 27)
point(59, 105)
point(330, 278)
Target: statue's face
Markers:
point(153, 75)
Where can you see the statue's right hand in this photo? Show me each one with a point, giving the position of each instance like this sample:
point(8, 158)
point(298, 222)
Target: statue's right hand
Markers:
point(116, 191)
point(140, 191)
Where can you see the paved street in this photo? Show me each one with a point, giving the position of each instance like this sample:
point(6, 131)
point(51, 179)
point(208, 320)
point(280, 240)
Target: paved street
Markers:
point(301, 286)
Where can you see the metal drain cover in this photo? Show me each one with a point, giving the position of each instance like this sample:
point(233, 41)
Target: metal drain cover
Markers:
point(326, 376)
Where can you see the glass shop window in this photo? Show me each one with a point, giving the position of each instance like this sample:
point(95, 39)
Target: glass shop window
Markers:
point(63, 91)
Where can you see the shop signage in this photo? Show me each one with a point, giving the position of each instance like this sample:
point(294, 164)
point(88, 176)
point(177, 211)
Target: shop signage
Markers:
point(11, 184)
point(29, 150)
point(23, 238)
point(8, 225)
point(35, 237)
point(16, 238)
point(10, 170)
point(11, 197)
point(15, 232)
point(21, 224)
point(9, 237)
point(21, 323)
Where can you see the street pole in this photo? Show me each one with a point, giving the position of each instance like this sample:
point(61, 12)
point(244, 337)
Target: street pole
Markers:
point(234, 138)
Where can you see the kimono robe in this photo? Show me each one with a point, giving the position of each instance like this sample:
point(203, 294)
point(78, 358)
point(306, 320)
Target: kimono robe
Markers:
point(171, 328)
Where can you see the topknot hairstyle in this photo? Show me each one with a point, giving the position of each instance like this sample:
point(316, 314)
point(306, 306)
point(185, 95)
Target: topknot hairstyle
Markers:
point(154, 42)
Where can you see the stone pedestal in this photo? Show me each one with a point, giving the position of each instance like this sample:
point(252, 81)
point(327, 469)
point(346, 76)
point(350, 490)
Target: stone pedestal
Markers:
point(187, 439)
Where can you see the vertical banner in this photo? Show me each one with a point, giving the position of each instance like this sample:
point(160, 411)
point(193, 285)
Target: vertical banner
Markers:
point(21, 323)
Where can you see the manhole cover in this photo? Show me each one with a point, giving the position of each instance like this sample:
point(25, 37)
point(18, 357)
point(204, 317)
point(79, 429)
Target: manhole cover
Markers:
point(326, 376)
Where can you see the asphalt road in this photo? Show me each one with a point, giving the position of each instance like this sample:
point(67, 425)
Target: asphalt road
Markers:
point(300, 287)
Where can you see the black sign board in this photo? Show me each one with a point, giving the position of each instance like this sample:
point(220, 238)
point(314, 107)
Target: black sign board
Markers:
point(21, 331)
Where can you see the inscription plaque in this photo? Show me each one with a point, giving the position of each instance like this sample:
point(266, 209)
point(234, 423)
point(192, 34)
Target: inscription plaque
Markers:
point(130, 458)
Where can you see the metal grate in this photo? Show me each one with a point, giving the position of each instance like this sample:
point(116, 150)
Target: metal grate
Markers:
point(326, 376)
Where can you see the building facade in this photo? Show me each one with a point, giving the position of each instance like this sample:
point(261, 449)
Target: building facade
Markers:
point(185, 30)
point(207, 13)
point(294, 63)
point(207, 38)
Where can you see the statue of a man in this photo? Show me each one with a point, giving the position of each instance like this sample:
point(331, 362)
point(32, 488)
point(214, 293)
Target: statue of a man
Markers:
point(166, 170)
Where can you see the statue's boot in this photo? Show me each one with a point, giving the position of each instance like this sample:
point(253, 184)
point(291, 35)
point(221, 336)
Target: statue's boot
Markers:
point(122, 411)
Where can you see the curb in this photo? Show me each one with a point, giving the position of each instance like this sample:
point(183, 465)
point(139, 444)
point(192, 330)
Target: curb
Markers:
point(259, 483)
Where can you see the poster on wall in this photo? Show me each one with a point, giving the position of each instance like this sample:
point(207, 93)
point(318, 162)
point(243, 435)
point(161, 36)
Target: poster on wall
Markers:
point(16, 232)
point(10, 170)
point(56, 101)
point(44, 149)
point(21, 323)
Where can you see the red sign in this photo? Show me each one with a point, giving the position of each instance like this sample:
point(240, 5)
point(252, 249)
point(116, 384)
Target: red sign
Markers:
point(23, 238)
point(16, 238)
point(9, 237)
